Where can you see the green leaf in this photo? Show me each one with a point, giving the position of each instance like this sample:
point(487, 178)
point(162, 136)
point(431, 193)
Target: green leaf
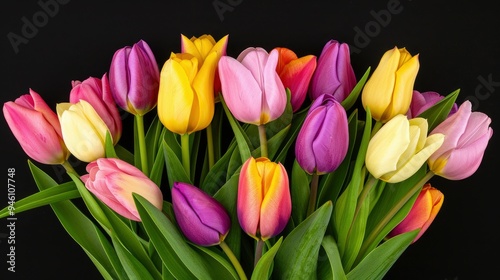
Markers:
point(353, 96)
point(297, 120)
point(439, 112)
point(298, 255)
point(133, 268)
point(331, 269)
point(65, 191)
point(241, 138)
point(108, 146)
point(219, 266)
point(263, 269)
point(299, 191)
point(376, 264)
point(273, 143)
point(153, 139)
point(175, 169)
point(124, 154)
point(216, 177)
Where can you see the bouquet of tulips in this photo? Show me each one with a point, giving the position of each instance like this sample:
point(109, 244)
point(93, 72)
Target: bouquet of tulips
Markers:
point(262, 166)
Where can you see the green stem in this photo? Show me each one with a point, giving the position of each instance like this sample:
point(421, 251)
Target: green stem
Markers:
point(185, 154)
point(234, 260)
point(263, 140)
point(210, 147)
point(313, 194)
point(258, 251)
point(142, 144)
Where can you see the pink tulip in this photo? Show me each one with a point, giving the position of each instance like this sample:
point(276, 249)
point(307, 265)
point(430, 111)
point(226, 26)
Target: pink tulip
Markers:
point(295, 73)
point(423, 101)
point(422, 213)
point(113, 181)
point(251, 88)
point(334, 74)
point(96, 92)
point(466, 136)
point(36, 127)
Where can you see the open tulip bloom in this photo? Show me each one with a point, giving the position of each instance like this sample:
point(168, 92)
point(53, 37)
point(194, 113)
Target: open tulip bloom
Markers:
point(287, 180)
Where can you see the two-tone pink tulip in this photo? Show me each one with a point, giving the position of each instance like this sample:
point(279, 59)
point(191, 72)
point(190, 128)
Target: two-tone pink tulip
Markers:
point(295, 73)
point(467, 135)
point(134, 78)
point(264, 204)
point(96, 92)
point(323, 139)
point(36, 128)
point(113, 181)
point(423, 101)
point(422, 213)
point(251, 87)
point(334, 74)
point(201, 218)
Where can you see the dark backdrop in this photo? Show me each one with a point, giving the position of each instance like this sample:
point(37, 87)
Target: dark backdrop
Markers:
point(458, 46)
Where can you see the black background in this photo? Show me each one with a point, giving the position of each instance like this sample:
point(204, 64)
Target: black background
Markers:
point(458, 45)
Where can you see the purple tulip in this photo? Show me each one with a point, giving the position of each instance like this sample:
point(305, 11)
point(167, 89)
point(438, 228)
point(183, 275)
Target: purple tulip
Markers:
point(334, 74)
point(423, 101)
point(323, 139)
point(134, 78)
point(202, 219)
point(466, 136)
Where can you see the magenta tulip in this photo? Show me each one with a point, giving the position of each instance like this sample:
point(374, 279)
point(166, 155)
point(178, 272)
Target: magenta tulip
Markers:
point(423, 101)
point(113, 181)
point(334, 74)
point(202, 219)
point(467, 135)
point(96, 92)
point(323, 139)
point(251, 87)
point(134, 78)
point(36, 128)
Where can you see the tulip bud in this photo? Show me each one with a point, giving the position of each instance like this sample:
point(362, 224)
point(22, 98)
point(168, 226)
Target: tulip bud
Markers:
point(423, 101)
point(96, 92)
point(422, 213)
point(134, 78)
point(252, 89)
point(389, 90)
point(36, 128)
point(466, 136)
point(400, 148)
point(323, 139)
point(264, 205)
point(202, 219)
point(113, 181)
point(295, 73)
point(334, 74)
point(83, 130)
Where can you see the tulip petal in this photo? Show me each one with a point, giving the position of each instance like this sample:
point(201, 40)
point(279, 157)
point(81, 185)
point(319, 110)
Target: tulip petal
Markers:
point(305, 153)
point(249, 197)
point(296, 76)
point(203, 85)
point(274, 93)
point(403, 88)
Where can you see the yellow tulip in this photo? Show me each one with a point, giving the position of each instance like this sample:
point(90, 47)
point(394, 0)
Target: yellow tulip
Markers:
point(202, 46)
point(389, 90)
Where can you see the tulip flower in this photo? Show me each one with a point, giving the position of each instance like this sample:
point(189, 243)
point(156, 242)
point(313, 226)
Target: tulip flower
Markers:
point(400, 148)
point(96, 92)
point(83, 130)
point(264, 205)
point(334, 74)
point(422, 213)
point(295, 73)
point(388, 92)
point(36, 128)
point(423, 101)
point(134, 78)
point(251, 87)
point(202, 219)
point(466, 136)
point(323, 139)
point(186, 98)
point(113, 181)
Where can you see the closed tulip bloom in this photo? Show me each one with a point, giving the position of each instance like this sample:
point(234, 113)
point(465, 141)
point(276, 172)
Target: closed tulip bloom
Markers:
point(400, 148)
point(251, 87)
point(295, 73)
point(388, 92)
point(134, 78)
point(264, 205)
point(83, 130)
point(423, 101)
point(113, 181)
point(334, 74)
point(96, 92)
point(467, 135)
point(36, 128)
point(323, 139)
point(422, 213)
point(202, 219)
point(186, 96)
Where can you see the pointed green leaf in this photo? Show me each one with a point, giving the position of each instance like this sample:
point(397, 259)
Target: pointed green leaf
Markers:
point(219, 266)
point(240, 135)
point(133, 268)
point(109, 148)
point(175, 169)
point(353, 96)
point(330, 266)
point(439, 112)
point(299, 191)
point(263, 269)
